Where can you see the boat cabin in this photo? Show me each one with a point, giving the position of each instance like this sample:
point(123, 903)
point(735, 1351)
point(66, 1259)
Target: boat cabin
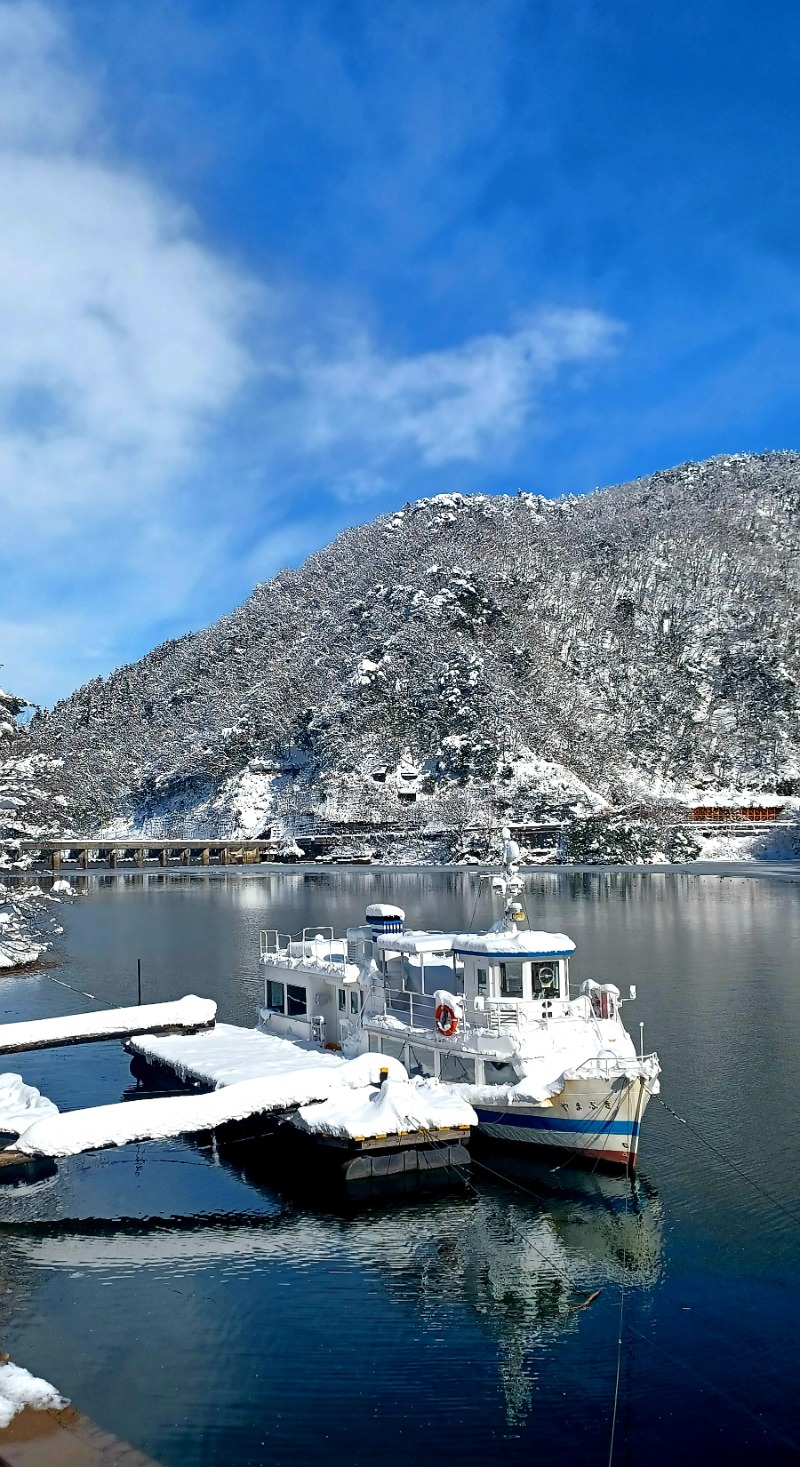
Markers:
point(444, 1003)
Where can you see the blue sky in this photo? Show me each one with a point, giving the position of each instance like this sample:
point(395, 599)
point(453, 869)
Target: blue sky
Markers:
point(269, 269)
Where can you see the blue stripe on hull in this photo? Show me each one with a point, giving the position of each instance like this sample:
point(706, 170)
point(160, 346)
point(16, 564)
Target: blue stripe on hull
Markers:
point(590, 1127)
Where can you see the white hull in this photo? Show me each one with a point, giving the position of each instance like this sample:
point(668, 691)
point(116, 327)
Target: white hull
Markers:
point(590, 1119)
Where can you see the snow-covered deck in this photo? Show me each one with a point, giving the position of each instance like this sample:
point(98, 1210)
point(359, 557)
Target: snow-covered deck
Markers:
point(226, 1054)
point(184, 1013)
point(253, 1074)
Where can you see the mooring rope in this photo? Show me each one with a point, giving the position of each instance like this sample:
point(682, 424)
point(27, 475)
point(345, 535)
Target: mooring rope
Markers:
point(619, 1346)
point(774, 1202)
point(82, 991)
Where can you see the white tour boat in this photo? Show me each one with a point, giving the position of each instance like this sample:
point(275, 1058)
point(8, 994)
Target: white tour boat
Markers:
point(489, 1013)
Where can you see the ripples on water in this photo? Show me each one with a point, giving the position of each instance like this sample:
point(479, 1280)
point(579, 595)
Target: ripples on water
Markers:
point(199, 1304)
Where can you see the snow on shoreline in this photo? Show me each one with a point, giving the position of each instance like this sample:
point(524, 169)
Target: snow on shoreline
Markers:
point(18, 1389)
point(27, 922)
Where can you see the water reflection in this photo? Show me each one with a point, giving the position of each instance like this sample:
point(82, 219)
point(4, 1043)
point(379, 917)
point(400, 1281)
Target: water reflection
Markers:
point(519, 1266)
point(248, 1287)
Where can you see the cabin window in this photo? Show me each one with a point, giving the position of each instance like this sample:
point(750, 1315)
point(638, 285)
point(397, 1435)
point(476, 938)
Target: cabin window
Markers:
point(373, 1044)
point(545, 980)
point(483, 982)
point(498, 1072)
point(342, 1001)
point(458, 1069)
point(393, 1047)
point(511, 980)
point(420, 1061)
point(295, 1001)
point(274, 996)
point(354, 1002)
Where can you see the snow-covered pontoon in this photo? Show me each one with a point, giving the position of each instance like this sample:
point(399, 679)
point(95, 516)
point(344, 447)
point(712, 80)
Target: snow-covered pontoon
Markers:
point(489, 1014)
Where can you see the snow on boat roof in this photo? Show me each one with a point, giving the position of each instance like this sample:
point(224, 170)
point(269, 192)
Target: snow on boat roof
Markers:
point(416, 942)
point(497, 944)
point(383, 909)
point(515, 944)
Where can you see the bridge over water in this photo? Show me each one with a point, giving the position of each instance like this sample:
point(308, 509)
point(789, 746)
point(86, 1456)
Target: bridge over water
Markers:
point(139, 849)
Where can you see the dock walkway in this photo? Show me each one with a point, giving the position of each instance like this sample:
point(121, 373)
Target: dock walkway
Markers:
point(253, 1075)
point(227, 1053)
point(186, 1015)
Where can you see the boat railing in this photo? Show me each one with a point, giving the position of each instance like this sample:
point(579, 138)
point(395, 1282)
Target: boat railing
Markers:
point(315, 944)
point(418, 1010)
point(503, 1014)
point(603, 1066)
point(271, 942)
point(311, 1026)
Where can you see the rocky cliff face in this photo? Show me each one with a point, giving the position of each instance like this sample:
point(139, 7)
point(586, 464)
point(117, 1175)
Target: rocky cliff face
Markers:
point(467, 659)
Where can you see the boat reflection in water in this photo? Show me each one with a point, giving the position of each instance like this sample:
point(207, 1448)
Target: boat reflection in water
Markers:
point(516, 1264)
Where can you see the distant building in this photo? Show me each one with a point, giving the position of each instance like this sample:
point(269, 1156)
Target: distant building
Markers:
point(734, 814)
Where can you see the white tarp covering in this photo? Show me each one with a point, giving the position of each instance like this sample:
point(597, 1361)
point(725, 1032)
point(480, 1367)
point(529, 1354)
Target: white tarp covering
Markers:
point(21, 1105)
point(399, 1105)
point(18, 1388)
point(107, 1024)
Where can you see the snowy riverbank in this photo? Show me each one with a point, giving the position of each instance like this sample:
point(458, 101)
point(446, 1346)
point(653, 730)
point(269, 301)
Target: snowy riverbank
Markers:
point(28, 921)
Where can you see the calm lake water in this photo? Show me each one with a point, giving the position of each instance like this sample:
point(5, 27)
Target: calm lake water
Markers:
point(195, 1304)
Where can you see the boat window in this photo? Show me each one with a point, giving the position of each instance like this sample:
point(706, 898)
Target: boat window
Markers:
point(274, 996)
point(545, 980)
point(393, 1047)
point(354, 1002)
point(342, 1000)
point(483, 981)
point(458, 1069)
point(511, 980)
point(373, 1044)
point(295, 1000)
point(420, 1061)
point(499, 1072)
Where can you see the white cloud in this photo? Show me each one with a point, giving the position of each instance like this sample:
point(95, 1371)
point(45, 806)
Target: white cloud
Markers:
point(121, 348)
point(43, 103)
point(441, 407)
point(125, 343)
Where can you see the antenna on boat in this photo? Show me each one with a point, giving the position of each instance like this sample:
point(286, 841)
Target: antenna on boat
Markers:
point(509, 882)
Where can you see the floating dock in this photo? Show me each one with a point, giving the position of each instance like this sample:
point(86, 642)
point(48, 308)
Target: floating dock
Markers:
point(183, 1015)
point(362, 1114)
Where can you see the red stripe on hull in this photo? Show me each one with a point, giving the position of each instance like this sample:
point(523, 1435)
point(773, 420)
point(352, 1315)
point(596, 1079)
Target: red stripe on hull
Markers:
point(613, 1158)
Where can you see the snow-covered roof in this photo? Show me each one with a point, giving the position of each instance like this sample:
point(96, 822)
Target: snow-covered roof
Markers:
point(517, 944)
point(416, 942)
point(383, 909)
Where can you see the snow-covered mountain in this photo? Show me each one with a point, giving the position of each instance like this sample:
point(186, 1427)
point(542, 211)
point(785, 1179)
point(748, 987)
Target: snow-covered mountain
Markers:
point(467, 659)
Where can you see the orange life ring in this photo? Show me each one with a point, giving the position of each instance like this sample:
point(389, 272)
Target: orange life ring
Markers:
point(446, 1020)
